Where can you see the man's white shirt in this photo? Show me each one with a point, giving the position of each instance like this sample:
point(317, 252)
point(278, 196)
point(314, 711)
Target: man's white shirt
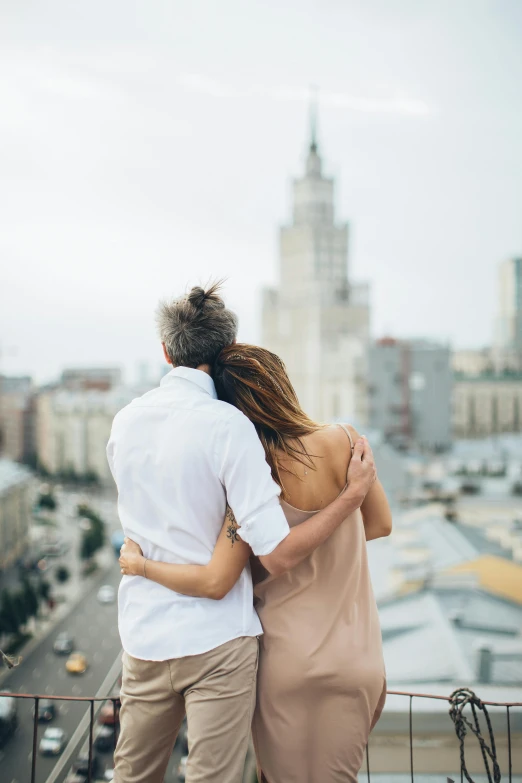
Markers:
point(177, 455)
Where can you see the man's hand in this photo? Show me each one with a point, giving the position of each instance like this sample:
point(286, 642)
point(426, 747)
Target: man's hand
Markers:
point(361, 470)
point(131, 559)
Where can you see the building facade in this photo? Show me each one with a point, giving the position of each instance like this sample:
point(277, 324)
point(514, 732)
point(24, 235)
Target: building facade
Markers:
point(316, 319)
point(15, 511)
point(17, 418)
point(410, 386)
point(508, 333)
point(487, 404)
point(73, 429)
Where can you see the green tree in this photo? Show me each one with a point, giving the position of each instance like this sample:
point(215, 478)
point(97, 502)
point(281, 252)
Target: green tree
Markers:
point(62, 574)
point(45, 590)
point(47, 501)
point(9, 621)
point(20, 608)
point(30, 598)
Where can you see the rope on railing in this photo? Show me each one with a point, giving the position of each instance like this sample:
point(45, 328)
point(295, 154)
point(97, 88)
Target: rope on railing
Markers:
point(459, 699)
point(10, 661)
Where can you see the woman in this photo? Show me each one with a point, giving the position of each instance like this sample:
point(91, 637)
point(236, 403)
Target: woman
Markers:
point(321, 680)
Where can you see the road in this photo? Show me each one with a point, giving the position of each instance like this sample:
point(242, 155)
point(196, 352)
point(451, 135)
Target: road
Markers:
point(95, 632)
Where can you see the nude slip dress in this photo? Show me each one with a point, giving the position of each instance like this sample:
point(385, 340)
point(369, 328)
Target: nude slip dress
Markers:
point(321, 682)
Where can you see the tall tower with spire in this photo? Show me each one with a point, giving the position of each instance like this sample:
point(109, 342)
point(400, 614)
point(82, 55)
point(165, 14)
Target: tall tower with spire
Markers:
point(316, 319)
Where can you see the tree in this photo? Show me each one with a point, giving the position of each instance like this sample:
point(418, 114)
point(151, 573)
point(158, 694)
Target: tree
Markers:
point(47, 501)
point(20, 608)
point(45, 590)
point(30, 598)
point(9, 621)
point(62, 574)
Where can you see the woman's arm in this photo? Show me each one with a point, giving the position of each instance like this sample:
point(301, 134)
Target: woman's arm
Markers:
point(375, 509)
point(213, 580)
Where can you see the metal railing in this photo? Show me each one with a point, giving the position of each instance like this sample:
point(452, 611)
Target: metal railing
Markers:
point(91, 701)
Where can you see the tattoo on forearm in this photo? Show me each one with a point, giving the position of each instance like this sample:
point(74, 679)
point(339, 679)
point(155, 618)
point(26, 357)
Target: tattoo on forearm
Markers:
point(232, 527)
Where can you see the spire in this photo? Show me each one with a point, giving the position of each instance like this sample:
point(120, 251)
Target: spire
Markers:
point(313, 118)
point(313, 163)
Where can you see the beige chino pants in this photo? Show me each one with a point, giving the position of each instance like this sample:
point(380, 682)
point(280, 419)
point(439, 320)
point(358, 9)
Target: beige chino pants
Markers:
point(217, 691)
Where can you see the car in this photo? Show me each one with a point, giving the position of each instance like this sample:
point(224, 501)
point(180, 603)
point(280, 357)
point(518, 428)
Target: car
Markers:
point(109, 715)
point(79, 772)
point(8, 718)
point(76, 663)
point(182, 768)
point(53, 741)
point(63, 644)
point(104, 741)
point(46, 710)
point(106, 594)
point(183, 738)
point(108, 774)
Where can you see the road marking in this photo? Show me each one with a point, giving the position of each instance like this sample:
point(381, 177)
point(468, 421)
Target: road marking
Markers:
point(82, 727)
point(76, 690)
point(49, 689)
point(36, 673)
point(48, 657)
point(64, 709)
point(21, 689)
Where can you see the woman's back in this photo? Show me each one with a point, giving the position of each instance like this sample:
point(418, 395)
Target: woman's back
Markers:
point(321, 673)
point(312, 488)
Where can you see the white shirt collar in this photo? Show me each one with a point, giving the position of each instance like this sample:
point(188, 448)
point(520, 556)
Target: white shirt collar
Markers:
point(198, 377)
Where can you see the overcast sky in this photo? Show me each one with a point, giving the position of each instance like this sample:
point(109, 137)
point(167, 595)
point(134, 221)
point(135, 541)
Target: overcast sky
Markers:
point(146, 145)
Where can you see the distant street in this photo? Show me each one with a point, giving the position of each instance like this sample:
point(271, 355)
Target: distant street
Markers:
point(95, 631)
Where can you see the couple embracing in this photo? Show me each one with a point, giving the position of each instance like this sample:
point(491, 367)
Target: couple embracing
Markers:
point(246, 600)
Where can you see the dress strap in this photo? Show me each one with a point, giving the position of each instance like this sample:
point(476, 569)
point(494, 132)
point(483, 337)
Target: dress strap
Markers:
point(348, 433)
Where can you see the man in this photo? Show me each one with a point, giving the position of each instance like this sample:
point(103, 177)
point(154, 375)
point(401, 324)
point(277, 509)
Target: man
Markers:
point(178, 455)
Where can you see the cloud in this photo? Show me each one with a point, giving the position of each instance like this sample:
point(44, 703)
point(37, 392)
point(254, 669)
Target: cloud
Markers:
point(396, 104)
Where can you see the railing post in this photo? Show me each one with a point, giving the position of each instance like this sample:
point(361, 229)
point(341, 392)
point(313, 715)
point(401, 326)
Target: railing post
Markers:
point(411, 737)
point(368, 761)
point(510, 767)
point(91, 728)
point(116, 718)
point(35, 739)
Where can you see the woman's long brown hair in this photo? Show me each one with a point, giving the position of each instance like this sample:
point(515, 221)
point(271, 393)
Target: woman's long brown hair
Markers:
point(255, 381)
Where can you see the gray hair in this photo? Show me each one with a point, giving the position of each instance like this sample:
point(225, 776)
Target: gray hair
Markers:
point(196, 327)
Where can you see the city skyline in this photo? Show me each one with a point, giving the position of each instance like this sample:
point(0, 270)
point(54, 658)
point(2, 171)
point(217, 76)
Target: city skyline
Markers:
point(142, 158)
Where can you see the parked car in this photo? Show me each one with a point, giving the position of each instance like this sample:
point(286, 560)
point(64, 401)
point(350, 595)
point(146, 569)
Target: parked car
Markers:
point(182, 768)
point(53, 741)
point(76, 663)
point(63, 644)
point(8, 718)
point(104, 741)
point(108, 715)
point(106, 594)
point(79, 772)
point(183, 738)
point(46, 710)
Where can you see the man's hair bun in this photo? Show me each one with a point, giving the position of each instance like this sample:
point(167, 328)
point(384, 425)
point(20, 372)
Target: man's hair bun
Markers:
point(197, 296)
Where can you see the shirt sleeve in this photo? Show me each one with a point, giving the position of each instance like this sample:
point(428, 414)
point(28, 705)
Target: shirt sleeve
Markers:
point(251, 491)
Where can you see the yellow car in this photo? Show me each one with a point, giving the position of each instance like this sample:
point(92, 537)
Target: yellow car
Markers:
point(76, 663)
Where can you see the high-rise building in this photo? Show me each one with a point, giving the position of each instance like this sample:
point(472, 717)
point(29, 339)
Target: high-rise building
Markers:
point(17, 418)
point(508, 338)
point(410, 392)
point(316, 319)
